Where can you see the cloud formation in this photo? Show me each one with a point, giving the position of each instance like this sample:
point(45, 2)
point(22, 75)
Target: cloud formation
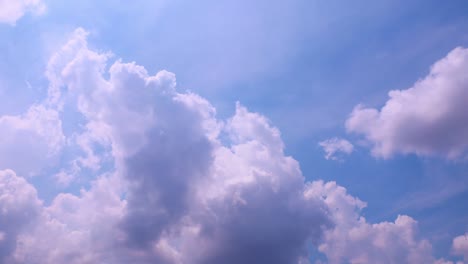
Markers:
point(460, 246)
point(12, 11)
point(184, 186)
point(335, 146)
point(19, 207)
point(428, 119)
point(354, 240)
point(31, 141)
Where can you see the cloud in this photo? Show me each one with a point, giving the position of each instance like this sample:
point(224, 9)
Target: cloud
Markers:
point(428, 119)
point(12, 11)
point(460, 246)
point(19, 207)
point(354, 240)
point(184, 187)
point(76, 229)
point(181, 188)
point(30, 141)
point(253, 196)
point(335, 146)
point(443, 261)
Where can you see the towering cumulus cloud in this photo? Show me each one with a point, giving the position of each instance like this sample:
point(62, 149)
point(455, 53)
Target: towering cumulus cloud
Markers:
point(429, 118)
point(184, 186)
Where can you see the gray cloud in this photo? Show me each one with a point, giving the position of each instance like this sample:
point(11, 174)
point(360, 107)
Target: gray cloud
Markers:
point(255, 211)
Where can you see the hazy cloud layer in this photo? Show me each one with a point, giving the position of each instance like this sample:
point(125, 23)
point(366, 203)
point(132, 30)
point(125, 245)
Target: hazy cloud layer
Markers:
point(184, 186)
point(428, 119)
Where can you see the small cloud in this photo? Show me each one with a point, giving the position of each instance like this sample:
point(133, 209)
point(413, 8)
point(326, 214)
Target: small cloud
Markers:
point(63, 179)
point(335, 146)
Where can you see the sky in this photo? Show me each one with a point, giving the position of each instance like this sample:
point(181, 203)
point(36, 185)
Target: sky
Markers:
point(206, 132)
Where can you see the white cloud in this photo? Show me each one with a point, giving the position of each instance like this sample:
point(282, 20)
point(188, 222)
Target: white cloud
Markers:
point(30, 141)
point(354, 240)
point(76, 229)
point(19, 207)
point(427, 119)
point(335, 146)
point(12, 10)
point(443, 261)
point(460, 246)
point(63, 178)
point(176, 192)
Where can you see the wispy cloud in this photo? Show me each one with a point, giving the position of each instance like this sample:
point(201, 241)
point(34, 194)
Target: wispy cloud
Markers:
point(335, 146)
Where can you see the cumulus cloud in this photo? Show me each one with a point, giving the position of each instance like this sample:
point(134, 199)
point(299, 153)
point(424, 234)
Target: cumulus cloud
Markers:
point(460, 246)
point(335, 146)
point(428, 119)
point(76, 229)
point(12, 11)
point(354, 240)
point(182, 187)
point(176, 192)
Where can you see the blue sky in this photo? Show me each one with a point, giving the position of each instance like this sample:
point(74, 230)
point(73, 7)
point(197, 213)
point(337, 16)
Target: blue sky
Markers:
point(298, 68)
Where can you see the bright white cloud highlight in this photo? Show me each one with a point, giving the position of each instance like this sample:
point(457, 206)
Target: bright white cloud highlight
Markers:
point(12, 10)
point(428, 119)
point(335, 146)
